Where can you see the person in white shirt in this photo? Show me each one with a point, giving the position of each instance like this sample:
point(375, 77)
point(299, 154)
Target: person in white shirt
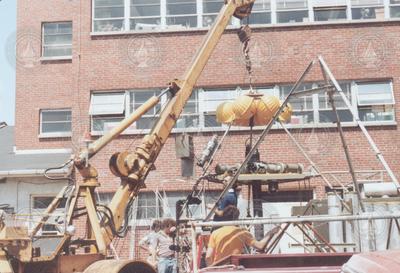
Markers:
point(146, 242)
point(162, 242)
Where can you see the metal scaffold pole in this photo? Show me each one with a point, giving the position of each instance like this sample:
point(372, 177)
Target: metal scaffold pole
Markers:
point(359, 123)
point(342, 138)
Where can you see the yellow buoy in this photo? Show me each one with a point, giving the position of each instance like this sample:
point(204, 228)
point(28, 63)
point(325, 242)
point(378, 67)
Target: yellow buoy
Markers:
point(260, 108)
point(286, 113)
point(266, 108)
point(225, 112)
point(243, 107)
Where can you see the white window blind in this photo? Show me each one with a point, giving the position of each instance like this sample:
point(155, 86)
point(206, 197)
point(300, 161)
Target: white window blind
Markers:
point(262, 5)
point(375, 93)
point(213, 98)
point(329, 3)
point(366, 2)
point(107, 104)
point(291, 4)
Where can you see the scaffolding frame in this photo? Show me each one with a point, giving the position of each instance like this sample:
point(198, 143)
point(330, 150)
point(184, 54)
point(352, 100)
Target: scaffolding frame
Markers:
point(297, 221)
point(331, 86)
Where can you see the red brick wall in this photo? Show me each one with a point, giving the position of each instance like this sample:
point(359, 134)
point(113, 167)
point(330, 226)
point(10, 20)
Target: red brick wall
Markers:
point(102, 63)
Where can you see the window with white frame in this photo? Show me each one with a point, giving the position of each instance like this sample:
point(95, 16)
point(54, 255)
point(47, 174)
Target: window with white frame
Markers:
point(190, 117)
point(158, 15)
point(39, 206)
point(136, 99)
point(292, 11)
point(145, 14)
point(57, 40)
point(106, 110)
point(153, 206)
point(326, 114)
point(395, 8)
point(210, 100)
point(104, 198)
point(181, 13)
point(108, 15)
point(194, 211)
point(330, 10)
point(367, 9)
point(211, 9)
point(375, 101)
point(55, 122)
point(303, 107)
point(149, 206)
point(261, 12)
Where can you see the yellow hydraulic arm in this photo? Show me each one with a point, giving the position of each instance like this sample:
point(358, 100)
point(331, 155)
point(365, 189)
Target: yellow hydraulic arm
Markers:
point(133, 167)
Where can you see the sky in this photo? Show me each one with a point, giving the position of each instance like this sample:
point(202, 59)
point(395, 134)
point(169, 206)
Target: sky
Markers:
point(8, 12)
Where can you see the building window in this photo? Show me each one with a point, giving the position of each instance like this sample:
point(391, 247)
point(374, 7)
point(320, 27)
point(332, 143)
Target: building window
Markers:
point(42, 202)
point(367, 9)
point(181, 13)
point(210, 100)
point(303, 112)
point(210, 10)
point(190, 117)
point(108, 15)
point(136, 99)
point(261, 12)
point(326, 114)
point(375, 101)
point(330, 14)
point(39, 206)
point(149, 206)
point(395, 8)
point(55, 122)
point(57, 40)
point(110, 108)
point(158, 15)
point(106, 110)
point(325, 11)
point(152, 205)
point(145, 14)
point(292, 11)
point(104, 198)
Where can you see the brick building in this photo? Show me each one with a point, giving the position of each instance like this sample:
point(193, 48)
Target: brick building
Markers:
point(82, 66)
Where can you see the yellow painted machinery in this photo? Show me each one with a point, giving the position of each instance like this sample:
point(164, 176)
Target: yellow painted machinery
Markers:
point(252, 109)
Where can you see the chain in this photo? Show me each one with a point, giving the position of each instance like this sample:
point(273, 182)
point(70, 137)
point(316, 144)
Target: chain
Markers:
point(244, 34)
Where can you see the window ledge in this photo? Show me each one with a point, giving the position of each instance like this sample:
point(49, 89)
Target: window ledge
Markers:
point(133, 32)
point(258, 128)
point(57, 58)
point(54, 135)
point(254, 26)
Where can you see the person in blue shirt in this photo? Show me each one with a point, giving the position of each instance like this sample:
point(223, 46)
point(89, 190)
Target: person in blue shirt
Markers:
point(229, 199)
